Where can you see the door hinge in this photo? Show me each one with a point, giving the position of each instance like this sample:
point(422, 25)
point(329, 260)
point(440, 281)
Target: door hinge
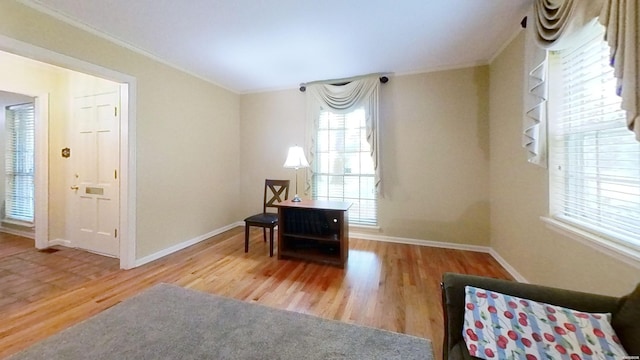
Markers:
point(115, 174)
point(115, 111)
point(115, 232)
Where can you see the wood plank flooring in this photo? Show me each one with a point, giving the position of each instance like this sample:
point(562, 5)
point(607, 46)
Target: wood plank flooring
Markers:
point(28, 275)
point(384, 285)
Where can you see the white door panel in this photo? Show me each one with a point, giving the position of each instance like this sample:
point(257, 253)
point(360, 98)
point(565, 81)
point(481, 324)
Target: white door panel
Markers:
point(96, 165)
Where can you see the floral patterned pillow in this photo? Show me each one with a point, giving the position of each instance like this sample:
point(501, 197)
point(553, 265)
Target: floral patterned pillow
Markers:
point(499, 326)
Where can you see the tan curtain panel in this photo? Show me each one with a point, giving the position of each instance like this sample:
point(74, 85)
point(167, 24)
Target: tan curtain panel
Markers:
point(621, 20)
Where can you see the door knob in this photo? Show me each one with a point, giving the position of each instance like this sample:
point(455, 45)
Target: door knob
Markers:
point(75, 187)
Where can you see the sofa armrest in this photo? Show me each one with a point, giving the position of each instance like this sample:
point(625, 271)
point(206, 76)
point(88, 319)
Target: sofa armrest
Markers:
point(453, 296)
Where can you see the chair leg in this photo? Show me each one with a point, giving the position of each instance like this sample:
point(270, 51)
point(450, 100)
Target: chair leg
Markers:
point(246, 238)
point(271, 242)
point(264, 234)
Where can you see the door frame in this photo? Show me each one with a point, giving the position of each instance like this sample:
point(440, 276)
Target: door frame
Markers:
point(128, 101)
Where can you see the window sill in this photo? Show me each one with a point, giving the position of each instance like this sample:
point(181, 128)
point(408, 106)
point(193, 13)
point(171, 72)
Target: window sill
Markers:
point(18, 223)
point(623, 253)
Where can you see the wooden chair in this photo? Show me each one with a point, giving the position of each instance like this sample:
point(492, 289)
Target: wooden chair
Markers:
point(277, 191)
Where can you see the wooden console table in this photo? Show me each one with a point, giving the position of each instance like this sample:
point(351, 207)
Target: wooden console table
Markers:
point(314, 230)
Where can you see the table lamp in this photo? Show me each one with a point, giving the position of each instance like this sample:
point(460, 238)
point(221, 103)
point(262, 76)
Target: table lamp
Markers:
point(296, 160)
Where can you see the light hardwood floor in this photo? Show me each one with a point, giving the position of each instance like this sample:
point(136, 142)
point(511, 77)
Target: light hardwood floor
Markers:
point(384, 285)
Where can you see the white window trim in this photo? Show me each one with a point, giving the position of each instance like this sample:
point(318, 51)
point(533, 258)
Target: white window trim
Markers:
point(15, 130)
point(26, 224)
point(616, 248)
point(618, 251)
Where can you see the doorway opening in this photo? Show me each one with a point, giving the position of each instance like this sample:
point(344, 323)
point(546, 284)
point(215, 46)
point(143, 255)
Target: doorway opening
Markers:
point(72, 195)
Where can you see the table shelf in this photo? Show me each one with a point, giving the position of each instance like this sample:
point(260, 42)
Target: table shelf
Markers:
point(324, 238)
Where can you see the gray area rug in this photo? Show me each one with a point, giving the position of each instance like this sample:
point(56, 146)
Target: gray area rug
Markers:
point(170, 322)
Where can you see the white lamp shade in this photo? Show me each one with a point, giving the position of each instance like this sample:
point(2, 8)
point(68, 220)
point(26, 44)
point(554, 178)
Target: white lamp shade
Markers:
point(296, 158)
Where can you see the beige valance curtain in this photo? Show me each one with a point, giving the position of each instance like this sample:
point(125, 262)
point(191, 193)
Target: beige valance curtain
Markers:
point(357, 92)
point(556, 23)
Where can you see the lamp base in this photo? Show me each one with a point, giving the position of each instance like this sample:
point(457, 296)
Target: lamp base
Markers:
point(296, 198)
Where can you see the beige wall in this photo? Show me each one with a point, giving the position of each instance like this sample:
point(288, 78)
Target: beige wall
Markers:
point(270, 123)
point(435, 152)
point(187, 154)
point(519, 196)
point(435, 160)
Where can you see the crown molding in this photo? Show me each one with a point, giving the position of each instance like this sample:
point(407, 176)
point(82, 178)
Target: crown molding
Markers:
point(35, 5)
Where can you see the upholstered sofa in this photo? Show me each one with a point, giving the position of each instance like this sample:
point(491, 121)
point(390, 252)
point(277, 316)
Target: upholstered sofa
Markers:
point(625, 310)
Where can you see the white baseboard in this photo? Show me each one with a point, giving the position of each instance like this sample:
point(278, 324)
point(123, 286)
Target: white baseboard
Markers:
point(185, 244)
point(484, 249)
point(17, 232)
point(61, 242)
point(438, 244)
point(516, 275)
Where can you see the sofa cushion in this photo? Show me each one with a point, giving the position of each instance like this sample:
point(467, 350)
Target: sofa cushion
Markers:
point(626, 322)
point(503, 326)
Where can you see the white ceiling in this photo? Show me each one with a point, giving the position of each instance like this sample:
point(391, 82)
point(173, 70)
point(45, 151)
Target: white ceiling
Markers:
point(258, 45)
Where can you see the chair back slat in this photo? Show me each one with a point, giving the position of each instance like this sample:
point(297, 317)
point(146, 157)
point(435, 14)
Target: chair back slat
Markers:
point(275, 191)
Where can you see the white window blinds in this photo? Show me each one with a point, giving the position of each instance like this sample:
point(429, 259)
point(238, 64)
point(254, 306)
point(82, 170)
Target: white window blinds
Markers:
point(343, 167)
point(595, 159)
point(19, 162)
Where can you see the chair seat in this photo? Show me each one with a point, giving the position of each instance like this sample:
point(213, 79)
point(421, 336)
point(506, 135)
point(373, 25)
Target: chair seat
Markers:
point(265, 219)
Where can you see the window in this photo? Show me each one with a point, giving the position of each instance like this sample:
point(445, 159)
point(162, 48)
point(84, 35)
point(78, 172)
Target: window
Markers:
point(19, 162)
point(343, 170)
point(594, 159)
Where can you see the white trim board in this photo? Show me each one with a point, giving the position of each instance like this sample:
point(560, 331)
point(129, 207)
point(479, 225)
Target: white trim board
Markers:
point(445, 245)
point(185, 244)
point(621, 253)
point(409, 241)
point(516, 275)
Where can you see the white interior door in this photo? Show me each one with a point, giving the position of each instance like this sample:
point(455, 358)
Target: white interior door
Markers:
point(96, 189)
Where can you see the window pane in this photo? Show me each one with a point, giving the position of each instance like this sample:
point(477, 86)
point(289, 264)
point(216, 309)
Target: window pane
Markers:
point(336, 121)
point(19, 162)
point(344, 159)
point(594, 158)
point(322, 142)
point(322, 162)
point(352, 163)
point(336, 140)
point(323, 120)
point(352, 141)
point(336, 163)
point(321, 186)
point(366, 163)
point(367, 188)
point(336, 186)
